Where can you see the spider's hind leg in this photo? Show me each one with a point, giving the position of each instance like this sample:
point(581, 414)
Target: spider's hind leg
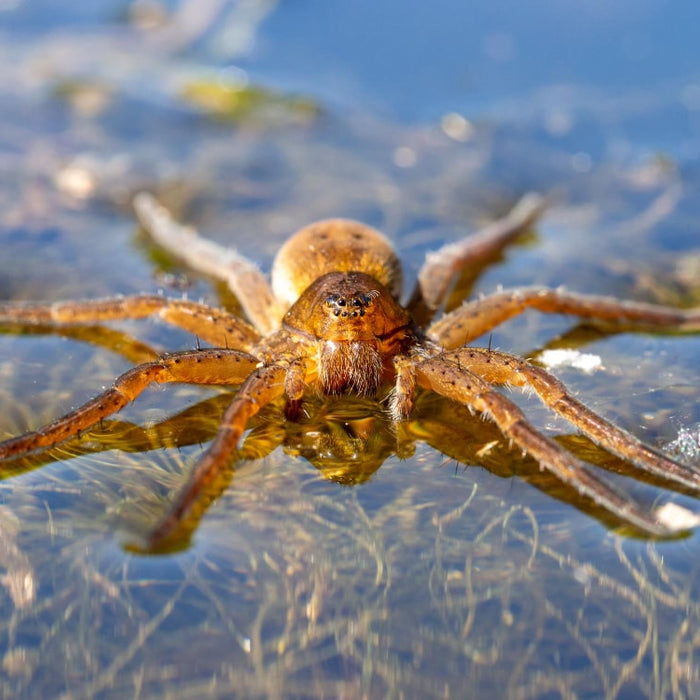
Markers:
point(472, 253)
point(240, 274)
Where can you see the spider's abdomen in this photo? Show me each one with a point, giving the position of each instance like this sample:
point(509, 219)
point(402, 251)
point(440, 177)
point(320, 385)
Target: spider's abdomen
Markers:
point(333, 245)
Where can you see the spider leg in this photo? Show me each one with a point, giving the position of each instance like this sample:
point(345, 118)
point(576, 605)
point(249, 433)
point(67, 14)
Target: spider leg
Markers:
point(401, 400)
point(476, 318)
point(219, 328)
point(192, 366)
point(262, 387)
point(504, 368)
point(441, 268)
point(242, 276)
point(453, 381)
point(192, 426)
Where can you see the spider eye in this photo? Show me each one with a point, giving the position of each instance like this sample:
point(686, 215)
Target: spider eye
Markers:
point(348, 307)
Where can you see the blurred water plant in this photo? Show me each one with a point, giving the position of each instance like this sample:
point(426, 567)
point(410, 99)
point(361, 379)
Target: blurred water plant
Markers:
point(241, 103)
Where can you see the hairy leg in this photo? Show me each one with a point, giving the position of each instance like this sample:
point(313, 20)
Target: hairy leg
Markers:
point(262, 387)
point(503, 368)
point(242, 276)
point(442, 267)
point(194, 425)
point(219, 328)
point(458, 383)
point(475, 318)
point(191, 366)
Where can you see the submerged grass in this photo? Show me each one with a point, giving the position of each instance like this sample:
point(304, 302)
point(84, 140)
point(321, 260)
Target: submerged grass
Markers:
point(298, 587)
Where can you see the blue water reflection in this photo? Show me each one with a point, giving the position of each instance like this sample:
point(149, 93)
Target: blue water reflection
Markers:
point(421, 59)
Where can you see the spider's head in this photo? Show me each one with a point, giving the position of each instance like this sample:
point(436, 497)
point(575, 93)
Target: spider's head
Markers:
point(346, 306)
point(358, 326)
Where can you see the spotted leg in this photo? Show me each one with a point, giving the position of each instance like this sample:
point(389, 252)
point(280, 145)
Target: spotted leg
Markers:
point(241, 275)
point(453, 381)
point(262, 387)
point(219, 328)
point(504, 368)
point(192, 366)
point(475, 318)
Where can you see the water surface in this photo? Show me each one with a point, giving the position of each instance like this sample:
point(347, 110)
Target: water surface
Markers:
point(443, 574)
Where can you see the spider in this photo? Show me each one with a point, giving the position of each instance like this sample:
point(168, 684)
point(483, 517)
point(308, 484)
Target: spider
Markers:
point(330, 321)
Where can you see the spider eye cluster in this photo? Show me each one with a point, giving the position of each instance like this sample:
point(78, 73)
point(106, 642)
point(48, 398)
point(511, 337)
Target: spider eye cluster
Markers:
point(350, 307)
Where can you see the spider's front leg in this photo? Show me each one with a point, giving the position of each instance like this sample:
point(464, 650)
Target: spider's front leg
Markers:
point(217, 327)
point(446, 377)
point(402, 397)
point(504, 368)
point(215, 366)
point(476, 318)
point(263, 386)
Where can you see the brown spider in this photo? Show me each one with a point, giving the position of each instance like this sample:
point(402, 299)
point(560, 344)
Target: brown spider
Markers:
point(331, 320)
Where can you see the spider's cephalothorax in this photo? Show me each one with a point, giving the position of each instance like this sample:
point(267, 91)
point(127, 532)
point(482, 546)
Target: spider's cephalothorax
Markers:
point(331, 319)
point(358, 329)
